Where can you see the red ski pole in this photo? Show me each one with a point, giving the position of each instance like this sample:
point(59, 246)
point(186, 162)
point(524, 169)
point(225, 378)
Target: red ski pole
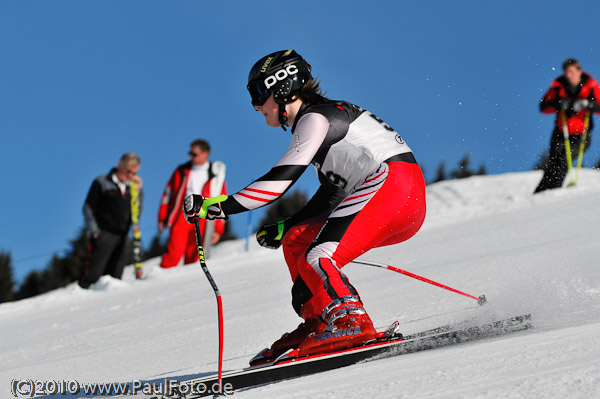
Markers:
point(480, 300)
point(218, 295)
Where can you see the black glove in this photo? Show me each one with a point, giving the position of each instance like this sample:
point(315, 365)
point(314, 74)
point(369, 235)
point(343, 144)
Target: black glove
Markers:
point(197, 207)
point(270, 235)
point(565, 104)
point(581, 104)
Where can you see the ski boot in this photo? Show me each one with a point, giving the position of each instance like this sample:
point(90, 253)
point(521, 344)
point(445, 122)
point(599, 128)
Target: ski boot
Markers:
point(347, 325)
point(287, 341)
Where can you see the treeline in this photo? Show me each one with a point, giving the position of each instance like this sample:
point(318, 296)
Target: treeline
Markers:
point(60, 271)
point(63, 270)
point(461, 171)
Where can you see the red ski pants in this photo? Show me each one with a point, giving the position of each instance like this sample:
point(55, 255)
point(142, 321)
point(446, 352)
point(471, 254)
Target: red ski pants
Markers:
point(387, 208)
point(182, 242)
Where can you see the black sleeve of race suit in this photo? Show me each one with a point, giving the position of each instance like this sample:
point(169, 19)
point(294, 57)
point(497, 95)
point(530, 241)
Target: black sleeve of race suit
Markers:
point(231, 206)
point(323, 202)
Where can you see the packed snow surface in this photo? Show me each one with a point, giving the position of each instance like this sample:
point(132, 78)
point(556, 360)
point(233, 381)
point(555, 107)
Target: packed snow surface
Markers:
point(483, 235)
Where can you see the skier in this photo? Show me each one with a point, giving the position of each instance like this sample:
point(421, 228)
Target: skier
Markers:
point(575, 93)
point(107, 213)
point(372, 194)
point(193, 177)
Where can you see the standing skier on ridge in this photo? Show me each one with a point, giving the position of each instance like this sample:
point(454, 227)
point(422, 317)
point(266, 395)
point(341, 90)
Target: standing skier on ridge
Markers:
point(372, 194)
point(575, 96)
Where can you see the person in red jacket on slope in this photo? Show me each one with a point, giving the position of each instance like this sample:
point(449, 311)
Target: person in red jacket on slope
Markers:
point(372, 194)
point(576, 93)
point(193, 177)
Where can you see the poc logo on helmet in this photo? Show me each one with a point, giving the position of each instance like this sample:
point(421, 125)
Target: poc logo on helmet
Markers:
point(280, 75)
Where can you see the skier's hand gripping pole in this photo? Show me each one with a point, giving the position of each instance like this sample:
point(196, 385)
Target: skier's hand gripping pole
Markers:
point(270, 235)
point(197, 207)
point(194, 217)
point(480, 300)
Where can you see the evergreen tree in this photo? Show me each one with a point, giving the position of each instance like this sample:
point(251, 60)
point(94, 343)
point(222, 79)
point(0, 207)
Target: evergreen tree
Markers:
point(440, 174)
point(284, 207)
point(61, 270)
point(481, 171)
point(7, 283)
point(464, 169)
point(65, 270)
point(33, 285)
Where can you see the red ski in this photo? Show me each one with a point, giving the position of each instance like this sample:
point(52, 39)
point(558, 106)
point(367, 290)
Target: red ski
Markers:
point(389, 343)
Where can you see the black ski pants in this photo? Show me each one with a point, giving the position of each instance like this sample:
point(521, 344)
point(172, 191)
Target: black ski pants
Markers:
point(556, 169)
point(108, 255)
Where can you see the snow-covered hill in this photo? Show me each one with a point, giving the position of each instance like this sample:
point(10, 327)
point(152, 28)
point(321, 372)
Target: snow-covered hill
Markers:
point(484, 235)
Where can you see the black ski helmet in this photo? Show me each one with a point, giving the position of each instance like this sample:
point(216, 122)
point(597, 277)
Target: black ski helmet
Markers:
point(282, 73)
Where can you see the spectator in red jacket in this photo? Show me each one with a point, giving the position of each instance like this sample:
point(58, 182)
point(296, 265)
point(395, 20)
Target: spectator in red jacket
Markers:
point(576, 93)
point(193, 177)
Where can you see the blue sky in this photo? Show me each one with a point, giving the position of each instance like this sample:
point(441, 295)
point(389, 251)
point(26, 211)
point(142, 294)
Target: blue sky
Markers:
point(82, 82)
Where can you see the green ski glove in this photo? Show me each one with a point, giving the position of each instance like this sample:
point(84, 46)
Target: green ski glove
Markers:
point(270, 235)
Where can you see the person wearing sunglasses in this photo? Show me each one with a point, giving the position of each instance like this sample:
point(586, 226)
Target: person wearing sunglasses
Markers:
point(372, 194)
point(107, 214)
point(192, 177)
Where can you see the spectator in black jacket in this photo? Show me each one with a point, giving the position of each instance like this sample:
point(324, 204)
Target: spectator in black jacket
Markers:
point(107, 212)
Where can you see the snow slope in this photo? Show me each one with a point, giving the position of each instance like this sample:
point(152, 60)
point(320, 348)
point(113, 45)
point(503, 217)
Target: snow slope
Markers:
point(484, 235)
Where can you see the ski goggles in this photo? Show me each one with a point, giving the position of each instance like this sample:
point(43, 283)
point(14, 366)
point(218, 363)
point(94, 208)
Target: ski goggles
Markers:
point(258, 92)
